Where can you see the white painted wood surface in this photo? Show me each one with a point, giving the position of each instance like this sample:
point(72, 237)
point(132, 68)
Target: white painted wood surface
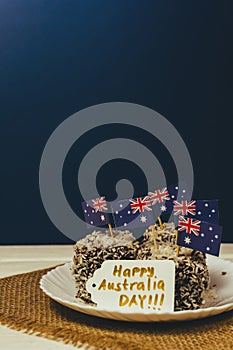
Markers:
point(20, 259)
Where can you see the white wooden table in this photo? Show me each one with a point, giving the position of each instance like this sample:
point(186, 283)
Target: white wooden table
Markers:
point(20, 259)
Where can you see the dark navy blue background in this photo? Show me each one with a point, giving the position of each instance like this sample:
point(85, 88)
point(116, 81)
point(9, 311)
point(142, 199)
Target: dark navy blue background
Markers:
point(57, 57)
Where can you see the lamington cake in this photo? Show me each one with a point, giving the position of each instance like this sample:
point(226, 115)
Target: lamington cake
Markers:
point(191, 276)
point(191, 272)
point(91, 251)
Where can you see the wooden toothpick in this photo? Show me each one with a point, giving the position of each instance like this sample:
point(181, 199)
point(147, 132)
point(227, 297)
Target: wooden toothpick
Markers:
point(154, 236)
point(177, 246)
point(160, 222)
point(110, 229)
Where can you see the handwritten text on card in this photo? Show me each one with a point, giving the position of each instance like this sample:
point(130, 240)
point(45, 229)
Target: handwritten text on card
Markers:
point(134, 285)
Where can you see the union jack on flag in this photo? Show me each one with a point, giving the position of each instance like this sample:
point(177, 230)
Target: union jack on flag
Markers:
point(99, 204)
point(159, 196)
point(184, 208)
point(199, 235)
point(200, 209)
point(189, 225)
point(140, 204)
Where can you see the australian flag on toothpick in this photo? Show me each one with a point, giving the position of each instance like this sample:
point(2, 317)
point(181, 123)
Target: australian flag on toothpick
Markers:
point(199, 235)
point(95, 212)
point(133, 213)
point(204, 210)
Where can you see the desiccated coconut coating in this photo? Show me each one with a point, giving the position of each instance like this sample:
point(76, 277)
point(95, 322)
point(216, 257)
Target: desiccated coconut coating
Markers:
point(191, 272)
point(93, 250)
point(191, 280)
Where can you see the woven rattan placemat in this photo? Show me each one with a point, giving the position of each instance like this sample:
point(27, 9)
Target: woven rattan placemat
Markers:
point(23, 306)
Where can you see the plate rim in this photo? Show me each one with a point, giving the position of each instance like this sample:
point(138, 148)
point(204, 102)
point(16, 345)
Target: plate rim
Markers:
point(173, 316)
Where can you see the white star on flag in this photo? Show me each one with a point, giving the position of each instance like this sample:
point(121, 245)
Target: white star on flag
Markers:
point(163, 208)
point(143, 218)
point(187, 240)
point(102, 217)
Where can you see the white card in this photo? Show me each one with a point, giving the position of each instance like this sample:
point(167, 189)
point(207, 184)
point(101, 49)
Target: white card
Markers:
point(134, 285)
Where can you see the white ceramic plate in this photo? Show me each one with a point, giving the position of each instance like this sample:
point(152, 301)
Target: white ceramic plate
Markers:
point(59, 285)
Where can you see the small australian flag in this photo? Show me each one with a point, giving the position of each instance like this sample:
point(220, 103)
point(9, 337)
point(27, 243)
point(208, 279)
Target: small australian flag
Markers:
point(204, 210)
point(133, 213)
point(199, 235)
point(95, 212)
